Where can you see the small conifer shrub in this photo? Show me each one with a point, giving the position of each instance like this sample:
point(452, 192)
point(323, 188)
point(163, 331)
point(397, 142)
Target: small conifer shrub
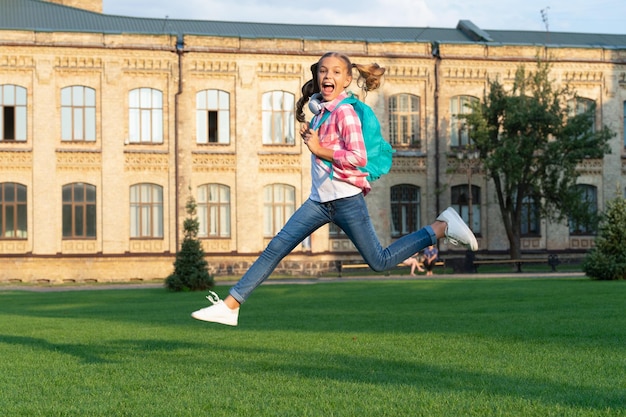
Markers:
point(191, 271)
point(607, 259)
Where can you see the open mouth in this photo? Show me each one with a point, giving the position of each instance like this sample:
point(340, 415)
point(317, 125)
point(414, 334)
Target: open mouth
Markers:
point(327, 88)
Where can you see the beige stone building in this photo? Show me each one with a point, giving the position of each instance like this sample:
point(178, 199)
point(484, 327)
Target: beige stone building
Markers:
point(109, 124)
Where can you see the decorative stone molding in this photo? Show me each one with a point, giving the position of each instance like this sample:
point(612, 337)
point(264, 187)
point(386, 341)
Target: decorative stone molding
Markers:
point(78, 161)
point(213, 66)
point(146, 162)
point(456, 166)
point(44, 71)
point(79, 246)
point(13, 246)
point(144, 64)
point(216, 245)
point(274, 163)
point(146, 246)
point(408, 164)
point(583, 76)
point(533, 243)
point(268, 68)
point(80, 62)
point(16, 161)
point(407, 71)
point(465, 73)
point(214, 163)
point(16, 61)
point(341, 245)
point(590, 166)
point(581, 242)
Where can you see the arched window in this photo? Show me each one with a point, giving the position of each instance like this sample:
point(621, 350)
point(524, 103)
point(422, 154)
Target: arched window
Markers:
point(278, 118)
point(459, 134)
point(214, 211)
point(404, 120)
point(212, 117)
point(146, 211)
point(79, 211)
point(279, 203)
point(582, 105)
point(145, 116)
point(12, 113)
point(13, 216)
point(405, 209)
point(78, 114)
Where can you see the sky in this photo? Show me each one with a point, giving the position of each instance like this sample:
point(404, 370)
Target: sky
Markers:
point(579, 16)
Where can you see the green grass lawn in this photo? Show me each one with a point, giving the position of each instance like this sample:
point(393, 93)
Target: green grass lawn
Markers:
point(444, 347)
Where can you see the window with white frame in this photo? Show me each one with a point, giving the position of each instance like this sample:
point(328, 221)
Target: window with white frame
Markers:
point(146, 211)
point(279, 203)
point(12, 113)
point(145, 119)
point(459, 134)
point(212, 117)
point(78, 114)
point(278, 113)
point(13, 215)
point(404, 120)
point(405, 209)
point(214, 211)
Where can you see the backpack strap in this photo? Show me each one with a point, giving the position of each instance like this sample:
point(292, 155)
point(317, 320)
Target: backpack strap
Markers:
point(317, 122)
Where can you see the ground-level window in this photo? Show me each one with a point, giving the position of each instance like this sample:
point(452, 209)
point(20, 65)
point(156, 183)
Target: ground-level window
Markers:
point(13, 216)
point(279, 203)
point(405, 209)
point(214, 211)
point(79, 211)
point(467, 206)
point(146, 211)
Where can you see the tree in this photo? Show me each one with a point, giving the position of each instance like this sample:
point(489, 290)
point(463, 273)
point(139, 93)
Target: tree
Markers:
point(190, 268)
point(530, 143)
point(607, 259)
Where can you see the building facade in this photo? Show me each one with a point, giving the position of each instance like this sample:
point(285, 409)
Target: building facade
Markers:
point(108, 125)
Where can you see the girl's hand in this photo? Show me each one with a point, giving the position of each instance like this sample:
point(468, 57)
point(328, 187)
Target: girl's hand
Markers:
point(312, 141)
point(304, 127)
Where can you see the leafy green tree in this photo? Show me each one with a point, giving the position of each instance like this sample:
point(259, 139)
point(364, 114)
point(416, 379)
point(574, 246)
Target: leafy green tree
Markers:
point(607, 259)
point(530, 144)
point(190, 268)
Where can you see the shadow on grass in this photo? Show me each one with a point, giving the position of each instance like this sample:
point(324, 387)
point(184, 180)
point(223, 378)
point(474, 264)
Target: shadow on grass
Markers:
point(114, 351)
point(348, 368)
point(574, 311)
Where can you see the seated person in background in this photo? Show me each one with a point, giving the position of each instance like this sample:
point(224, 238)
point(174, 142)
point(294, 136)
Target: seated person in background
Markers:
point(413, 263)
point(431, 254)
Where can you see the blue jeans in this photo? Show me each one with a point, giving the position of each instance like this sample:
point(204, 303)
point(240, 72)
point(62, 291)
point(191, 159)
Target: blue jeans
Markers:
point(351, 215)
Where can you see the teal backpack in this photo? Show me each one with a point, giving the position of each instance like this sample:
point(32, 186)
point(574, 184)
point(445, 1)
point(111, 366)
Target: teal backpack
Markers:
point(379, 151)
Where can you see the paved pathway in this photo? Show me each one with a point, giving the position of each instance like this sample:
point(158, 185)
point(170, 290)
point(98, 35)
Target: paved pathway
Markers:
point(283, 281)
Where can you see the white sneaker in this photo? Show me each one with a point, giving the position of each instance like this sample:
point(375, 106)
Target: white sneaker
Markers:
point(218, 312)
point(457, 231)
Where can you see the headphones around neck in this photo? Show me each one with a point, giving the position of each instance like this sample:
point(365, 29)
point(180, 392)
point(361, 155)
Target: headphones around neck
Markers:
point(315, 104)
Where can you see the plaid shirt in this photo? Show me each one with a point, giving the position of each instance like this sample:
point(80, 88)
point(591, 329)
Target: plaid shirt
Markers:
point(341, 131)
